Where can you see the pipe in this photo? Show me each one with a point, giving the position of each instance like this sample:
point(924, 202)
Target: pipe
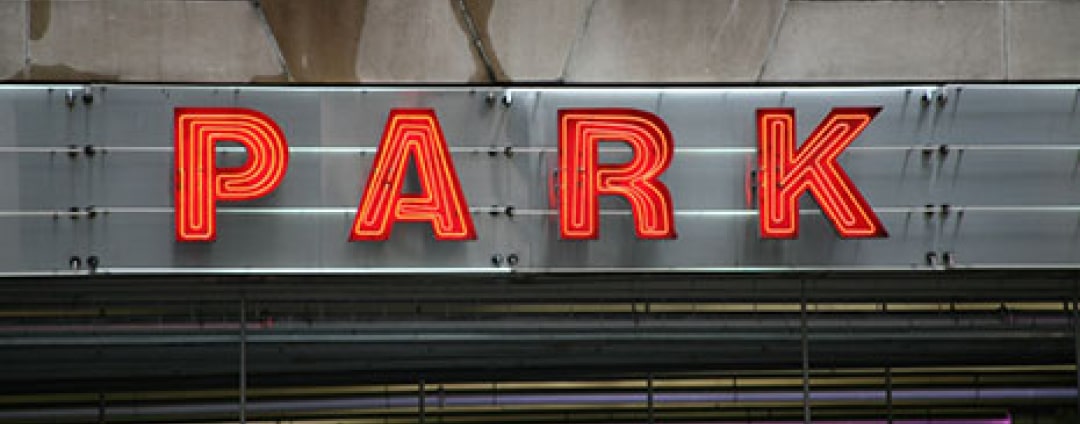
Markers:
point(554, 400)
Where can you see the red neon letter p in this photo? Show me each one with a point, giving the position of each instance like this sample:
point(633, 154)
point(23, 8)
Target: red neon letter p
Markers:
point(786, 172)
point(582, 178)
point(200, 184)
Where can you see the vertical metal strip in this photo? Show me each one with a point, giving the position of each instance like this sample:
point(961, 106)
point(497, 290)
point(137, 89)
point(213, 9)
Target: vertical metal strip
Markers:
point(243, 360)
point(888, 394)
point(1076, 351)
point(805, 355)
point(421, 401)
point(651, 404)
point(101, 407)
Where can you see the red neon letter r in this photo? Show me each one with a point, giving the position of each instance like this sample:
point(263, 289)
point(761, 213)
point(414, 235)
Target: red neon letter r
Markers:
point(582, 179)
point(413, 133)
point(786, 172)
point(200, 184)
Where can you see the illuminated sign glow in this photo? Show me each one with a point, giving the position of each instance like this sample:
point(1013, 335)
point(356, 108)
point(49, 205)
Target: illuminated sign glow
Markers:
point(200, 184)
point(786, 172)
point(582, 178)
point(413, 134)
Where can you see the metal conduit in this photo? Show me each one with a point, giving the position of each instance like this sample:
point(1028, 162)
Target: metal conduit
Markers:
point(368, 149)
point(550, 400)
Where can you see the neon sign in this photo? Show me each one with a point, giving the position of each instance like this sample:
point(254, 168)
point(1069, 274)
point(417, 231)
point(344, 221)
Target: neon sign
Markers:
point(200, 184)
point(413, 134)
point(583, 178)
point(786, 172)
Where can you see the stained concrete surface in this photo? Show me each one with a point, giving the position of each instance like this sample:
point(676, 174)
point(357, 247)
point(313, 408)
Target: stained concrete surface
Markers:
point(532, 39)
point(413, 41)
point(199, 41)
point(575, 41)
point(1044, 40)
point(318, 38)
point(868, 41)
point(474, 16)
point(675, 40)
point(12, 39)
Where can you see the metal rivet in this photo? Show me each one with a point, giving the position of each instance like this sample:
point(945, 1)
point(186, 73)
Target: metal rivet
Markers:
point(942, 98)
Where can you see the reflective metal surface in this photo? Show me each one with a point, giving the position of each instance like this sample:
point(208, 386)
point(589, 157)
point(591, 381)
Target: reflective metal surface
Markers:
point(971, 176)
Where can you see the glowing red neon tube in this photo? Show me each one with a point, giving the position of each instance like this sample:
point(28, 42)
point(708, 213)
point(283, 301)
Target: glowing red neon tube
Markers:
point(582, 179)
point(415, 134)
point(786, 172)
point(200, 184)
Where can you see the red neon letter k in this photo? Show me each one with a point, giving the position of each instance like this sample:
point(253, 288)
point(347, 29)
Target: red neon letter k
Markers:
point(786, 172)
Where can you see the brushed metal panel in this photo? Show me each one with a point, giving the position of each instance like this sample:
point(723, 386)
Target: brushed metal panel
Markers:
point(1003, 158)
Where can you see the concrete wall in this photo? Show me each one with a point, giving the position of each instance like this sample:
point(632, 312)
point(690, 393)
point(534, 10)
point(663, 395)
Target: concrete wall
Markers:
point(576, 41)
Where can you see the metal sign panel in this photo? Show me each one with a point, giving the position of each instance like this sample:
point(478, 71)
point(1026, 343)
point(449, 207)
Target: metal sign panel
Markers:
point(960, 175)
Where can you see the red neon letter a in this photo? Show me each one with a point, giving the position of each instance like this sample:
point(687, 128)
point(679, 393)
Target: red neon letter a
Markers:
point(786, 172)
point(582, 179)
point(413, 133)
point(200, 183)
